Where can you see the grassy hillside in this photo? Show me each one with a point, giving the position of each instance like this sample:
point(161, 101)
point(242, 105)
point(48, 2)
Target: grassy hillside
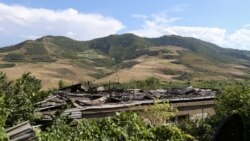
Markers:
point(123, 47)
point(123, 58)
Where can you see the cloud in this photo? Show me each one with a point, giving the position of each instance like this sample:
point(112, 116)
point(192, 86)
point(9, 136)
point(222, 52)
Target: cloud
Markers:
point(211, 34)
point(18, 23)
point(161, 25)
point(23, 22)
point(158, 25)
point(239, 39)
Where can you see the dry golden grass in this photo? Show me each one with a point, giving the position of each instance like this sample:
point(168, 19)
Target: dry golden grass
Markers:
point(90, 54)
point(147, 66)
point(174, 49)
point(50, 73)
point(205, 64)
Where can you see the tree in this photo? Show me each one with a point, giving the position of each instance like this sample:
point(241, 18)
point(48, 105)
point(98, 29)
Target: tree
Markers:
point(3, 109)
point(3, 115)
point(159, 113)
point(122, 127)
point(20, 98)
point(200, 129)
point(235, 99)
point(171, 133)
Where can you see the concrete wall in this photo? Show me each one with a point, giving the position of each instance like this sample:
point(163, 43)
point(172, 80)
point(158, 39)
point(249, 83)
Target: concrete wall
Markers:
point(187, 110)
point(193, 110)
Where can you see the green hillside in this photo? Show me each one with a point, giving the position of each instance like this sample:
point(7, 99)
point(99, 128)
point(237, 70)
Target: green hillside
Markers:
point(126, 57)
point(122, 47)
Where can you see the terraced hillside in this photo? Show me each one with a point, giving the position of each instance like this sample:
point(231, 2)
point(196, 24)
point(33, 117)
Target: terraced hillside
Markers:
point(123, 58)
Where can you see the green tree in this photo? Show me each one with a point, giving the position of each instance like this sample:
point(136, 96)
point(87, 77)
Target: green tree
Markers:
point(122, 127)
point(159, 113)
point(3, 110)
point(20, 98)
point(235, 99)
point(171, 133)
point(201, 130)
point(3, 115)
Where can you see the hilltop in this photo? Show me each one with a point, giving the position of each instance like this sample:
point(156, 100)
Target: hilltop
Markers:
point(123, 58)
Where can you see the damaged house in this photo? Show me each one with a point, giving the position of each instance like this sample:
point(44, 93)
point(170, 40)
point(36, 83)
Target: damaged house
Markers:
point(77, 102)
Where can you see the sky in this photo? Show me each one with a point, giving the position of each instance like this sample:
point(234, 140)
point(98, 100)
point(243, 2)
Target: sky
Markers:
point(223, 22)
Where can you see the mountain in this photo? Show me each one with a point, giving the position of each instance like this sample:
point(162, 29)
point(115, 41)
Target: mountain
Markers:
point(123, 58)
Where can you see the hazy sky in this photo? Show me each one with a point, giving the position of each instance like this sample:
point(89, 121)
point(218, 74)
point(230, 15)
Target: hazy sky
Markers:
point(223, 22)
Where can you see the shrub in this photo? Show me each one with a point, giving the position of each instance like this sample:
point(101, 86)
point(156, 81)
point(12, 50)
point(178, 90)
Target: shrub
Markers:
point(122, 127)
point(19, 98)
point(235, 99)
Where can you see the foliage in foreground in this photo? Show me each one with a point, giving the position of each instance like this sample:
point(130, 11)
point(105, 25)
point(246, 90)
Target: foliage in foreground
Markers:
point(122, 127)
point(3, 110)
point(2, 118)
point(18, 97)
point(17, 100)
point(201, 130)
point(159, 113)
point(235, 99)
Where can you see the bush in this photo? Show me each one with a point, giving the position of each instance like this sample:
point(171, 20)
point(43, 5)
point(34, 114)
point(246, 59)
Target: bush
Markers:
point(202, 130)
point(159, 113)
point(122, 127)
point(235, 99)
point(150, 83)
point(171, 133)
point(3, 116)
point(19, 98)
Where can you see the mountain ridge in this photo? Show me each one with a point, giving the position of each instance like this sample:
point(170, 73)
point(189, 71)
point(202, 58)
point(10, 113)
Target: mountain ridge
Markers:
point(170, 58)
